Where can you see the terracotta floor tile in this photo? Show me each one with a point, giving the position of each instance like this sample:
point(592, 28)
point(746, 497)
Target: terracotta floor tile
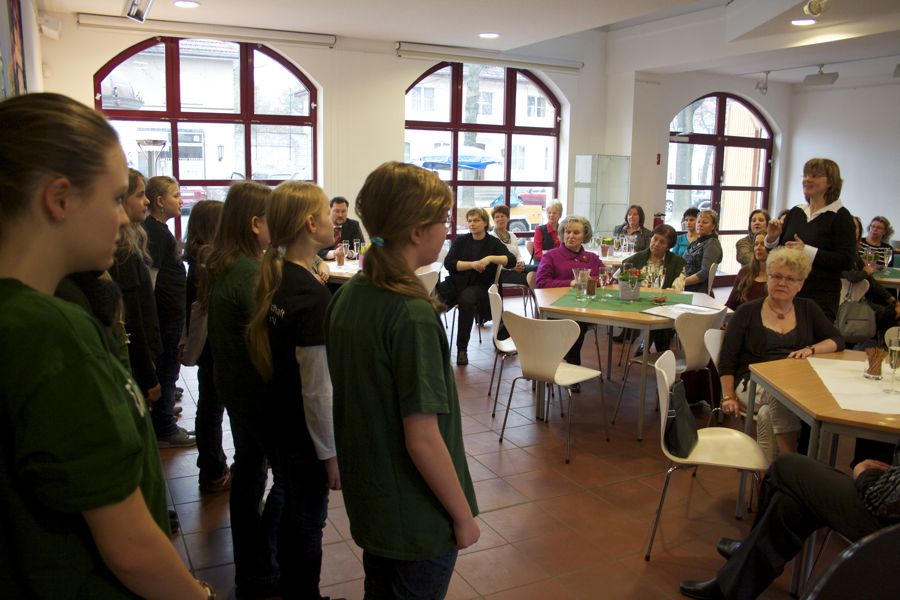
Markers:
point(522, 522)
point(542, 590)
point(339, 565)
point(477, 471)
point(489, 538)
point(460, 590)
point(609, 580)
point(562, 552)
point(543, 483)
point(351, 590)
point(207, 514)
point(498, 569)
point(184, 489)
point(511, 461)
point(221, 578)
point(496, 493)
point(209, 548)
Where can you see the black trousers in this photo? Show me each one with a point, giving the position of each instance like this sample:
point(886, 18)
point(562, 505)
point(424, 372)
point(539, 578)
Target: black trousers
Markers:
point(799, 495)
point(470, 301)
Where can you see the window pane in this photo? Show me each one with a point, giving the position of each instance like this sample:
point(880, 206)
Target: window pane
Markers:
point(147, 146)
point(735, 210)
point(277, 91)
point(699, 117)
point(533, 108)
point(210, 151)
point(280, 152)
point(744, 166)
point(740, 121)
point(526, 207)
point(471, 196)
point(210, 76)
point(483, 97)
point(481, 156)
point(430, 99)
point(678, 201)
point(430, 150)
point(533, 157)
point(729, 264)
point(139, 83)
point(690, 164)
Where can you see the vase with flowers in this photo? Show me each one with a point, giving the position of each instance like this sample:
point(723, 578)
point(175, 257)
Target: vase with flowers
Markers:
point(629, 283)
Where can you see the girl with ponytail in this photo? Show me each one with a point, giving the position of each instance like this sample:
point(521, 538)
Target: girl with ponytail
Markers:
point(403, 469)
point(288, 348)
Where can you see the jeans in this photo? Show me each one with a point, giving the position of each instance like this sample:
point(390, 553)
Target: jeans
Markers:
point(302, 523)
point(208, 424)
point(388, 578)
point(162, 413)
point(254, 528)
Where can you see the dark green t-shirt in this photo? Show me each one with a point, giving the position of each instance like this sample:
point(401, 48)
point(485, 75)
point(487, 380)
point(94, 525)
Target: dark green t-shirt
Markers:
point(75, 435)
point(388, 357)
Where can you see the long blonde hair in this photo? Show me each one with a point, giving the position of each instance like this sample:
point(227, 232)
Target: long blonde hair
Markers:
point(291, 205)
point(395, 199)
point(134, 236)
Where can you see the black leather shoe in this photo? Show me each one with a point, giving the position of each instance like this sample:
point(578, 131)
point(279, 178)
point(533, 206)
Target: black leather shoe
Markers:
point(462, 357)
point(705, 590)
point(727, 547)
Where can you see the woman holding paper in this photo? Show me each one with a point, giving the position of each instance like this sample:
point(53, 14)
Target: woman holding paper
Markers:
point(781, 325)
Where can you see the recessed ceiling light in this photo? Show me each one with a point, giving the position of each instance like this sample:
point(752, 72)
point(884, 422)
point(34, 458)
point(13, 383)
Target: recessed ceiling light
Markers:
point(803, 22)
point(488, 36)
point(186, 3)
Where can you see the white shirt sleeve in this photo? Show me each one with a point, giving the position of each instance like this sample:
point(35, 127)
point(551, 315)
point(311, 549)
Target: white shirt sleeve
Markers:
point(317, 397)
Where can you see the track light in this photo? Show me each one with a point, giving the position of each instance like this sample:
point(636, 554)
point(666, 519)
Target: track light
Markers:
point(137, 10)
point(814, 8)
point(820, 78)
point(763, 86)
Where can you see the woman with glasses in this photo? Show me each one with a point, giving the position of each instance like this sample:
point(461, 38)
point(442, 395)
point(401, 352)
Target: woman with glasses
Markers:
point(780, 325)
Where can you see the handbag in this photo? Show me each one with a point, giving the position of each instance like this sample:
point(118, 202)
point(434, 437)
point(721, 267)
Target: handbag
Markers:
point(681, 428)
point(193, 338)
point(855, 321)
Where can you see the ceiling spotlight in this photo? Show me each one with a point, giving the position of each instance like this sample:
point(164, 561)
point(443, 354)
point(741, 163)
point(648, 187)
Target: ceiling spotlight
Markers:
point(186, 3)
point(489, 36)
point(803, 22)
point(814, 8)
point(137, 10)
point(763, 86)
point(820, 78)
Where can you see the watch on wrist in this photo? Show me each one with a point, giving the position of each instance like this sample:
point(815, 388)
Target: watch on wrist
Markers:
point(210, 592)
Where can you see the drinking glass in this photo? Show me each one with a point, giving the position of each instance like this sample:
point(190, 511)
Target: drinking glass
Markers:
point(346, 246)
point(356, 246)
point(606, 277)
point(617, 244)
point(894, 362)
point(581, 276)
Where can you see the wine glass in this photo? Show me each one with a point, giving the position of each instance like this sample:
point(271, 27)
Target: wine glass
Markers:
point(606, 277)
point(894, 362)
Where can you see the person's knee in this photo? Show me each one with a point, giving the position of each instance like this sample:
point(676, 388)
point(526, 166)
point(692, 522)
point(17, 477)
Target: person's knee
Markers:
point(788, 466)
point(469, 297)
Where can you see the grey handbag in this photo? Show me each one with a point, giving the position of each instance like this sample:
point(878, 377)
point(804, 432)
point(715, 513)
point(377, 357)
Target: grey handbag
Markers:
point(855, 321)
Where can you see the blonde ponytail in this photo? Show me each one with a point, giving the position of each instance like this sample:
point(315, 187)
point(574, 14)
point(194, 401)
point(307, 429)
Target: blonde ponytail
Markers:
point(258, 329)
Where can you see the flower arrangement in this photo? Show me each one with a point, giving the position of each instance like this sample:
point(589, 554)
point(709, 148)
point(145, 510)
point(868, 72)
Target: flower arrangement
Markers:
point(632, 277)
point(629, 283)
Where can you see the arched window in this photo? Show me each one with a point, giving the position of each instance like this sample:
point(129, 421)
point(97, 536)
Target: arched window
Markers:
point(492, 133)
point(720, 151)
point(235, 110)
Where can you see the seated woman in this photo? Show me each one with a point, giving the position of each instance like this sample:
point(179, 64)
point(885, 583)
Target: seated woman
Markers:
point(778, 326)
point(750, 283)
point(472, 263)
point(758, 223)
point(703, 252)
point(556, 269)
point(885, 305)
point(633, 228)
point(546, 236)
point(878, 242)
point(689, 222)
point(501, 231)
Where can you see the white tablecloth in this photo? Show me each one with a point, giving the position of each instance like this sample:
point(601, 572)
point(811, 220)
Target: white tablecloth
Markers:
point(844, 379)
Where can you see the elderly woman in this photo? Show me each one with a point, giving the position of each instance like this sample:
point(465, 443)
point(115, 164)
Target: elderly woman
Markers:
point(633, 228)
point(750, 283)
point(556, 268)
point(472, 262)
point(546, 236)
point(878, 242)
point(885, 305)
point(758, 222)
point(703, 252)
point(689, 223)
point(823, 229)
point(781, 325)
point(659, 266)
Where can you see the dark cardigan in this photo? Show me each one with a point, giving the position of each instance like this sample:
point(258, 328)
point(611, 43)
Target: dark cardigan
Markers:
point(673, 264)
point(745, 338)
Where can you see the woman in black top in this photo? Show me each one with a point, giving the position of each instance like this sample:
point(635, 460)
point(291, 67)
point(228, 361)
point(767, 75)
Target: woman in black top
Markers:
point(823, 229)
point(702, 252)
point(633, 228)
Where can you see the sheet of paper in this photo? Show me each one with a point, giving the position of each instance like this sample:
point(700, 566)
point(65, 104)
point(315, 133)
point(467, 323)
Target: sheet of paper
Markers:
point(673, 310)
point(844, 379)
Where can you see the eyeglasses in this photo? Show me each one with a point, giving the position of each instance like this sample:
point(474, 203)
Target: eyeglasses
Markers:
point(778, 278)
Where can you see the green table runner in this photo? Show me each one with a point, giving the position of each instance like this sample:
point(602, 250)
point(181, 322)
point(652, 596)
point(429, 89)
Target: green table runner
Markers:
point(890, 273)
point(616, 303)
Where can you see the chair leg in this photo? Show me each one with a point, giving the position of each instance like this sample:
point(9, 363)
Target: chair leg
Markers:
point(493, 370)
point(499, 378)
point(568, 425)
point(662, 499)
point(621, 391)
point(603, 408)
point(597, 346)
point(508, 403)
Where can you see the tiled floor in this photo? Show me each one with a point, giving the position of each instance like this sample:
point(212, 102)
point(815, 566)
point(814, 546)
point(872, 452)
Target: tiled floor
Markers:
point(548, 530)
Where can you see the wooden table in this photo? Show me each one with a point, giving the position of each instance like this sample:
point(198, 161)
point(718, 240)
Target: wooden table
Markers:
point(344, 272)
point(594, 312)
point(889, 278)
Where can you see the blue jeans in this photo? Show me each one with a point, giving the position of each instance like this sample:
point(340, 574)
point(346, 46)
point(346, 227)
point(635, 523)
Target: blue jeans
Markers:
point(254, 528)
point(208, 424)
point(388, 578)
point(162, 413)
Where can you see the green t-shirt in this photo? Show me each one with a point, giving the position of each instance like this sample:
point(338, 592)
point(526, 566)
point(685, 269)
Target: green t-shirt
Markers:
point(75, 435)
point(389, 358)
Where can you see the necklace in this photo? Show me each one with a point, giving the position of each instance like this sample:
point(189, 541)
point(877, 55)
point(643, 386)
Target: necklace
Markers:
point(780, 316)
point(508, 237)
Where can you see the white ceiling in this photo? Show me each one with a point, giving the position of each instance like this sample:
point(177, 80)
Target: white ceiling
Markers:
point(859, 38)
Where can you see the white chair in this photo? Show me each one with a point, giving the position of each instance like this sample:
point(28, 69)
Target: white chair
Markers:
point(503, 349)
point(689, 327)
point(542, 345)
point(713, 340)
point(429, 279)
point(892, 337)
point(854, 291)
point(711, 279)
point(716, 446)
point(524, 289)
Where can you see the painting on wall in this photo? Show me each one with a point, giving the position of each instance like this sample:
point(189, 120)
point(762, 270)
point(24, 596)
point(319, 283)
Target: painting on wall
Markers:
point(12, 53)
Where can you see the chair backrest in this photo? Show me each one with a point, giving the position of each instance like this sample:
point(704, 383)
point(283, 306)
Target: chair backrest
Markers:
point(541, 343)
point(429, 279)
point(853, 291)
point(691, 328)
point(496, 309)
point(665, 377)
point(892, 337)
point(713, 340)
point(531, 277)
point(712, 278)
point(863, 570)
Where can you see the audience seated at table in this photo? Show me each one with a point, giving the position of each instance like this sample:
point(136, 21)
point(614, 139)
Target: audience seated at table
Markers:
point(885, 305)
point(546, 236)
point(798, 496)
point(345, 228)
point(780, 325)
point(556, 269)
point(689, 223)
point(472, 262)
point(758, 223)
point(633, 228)
point(750, 282)
point(702, 252)
point(878, 242)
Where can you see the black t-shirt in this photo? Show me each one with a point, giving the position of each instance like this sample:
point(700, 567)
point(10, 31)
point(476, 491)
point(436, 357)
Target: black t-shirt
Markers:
point(296, 318)
point(171, 280)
